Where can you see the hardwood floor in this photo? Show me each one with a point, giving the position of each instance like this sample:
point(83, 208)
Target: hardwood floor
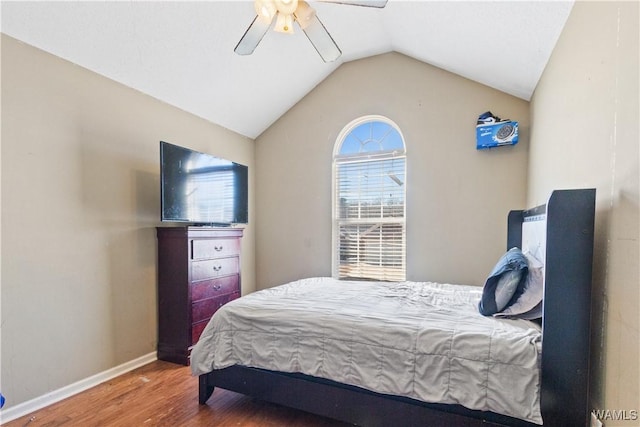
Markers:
point(165, 394)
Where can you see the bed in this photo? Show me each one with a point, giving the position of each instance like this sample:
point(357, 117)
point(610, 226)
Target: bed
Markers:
point(546, 363)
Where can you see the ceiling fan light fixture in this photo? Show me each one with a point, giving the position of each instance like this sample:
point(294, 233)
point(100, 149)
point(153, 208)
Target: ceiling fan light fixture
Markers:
point(304, 14)
point(266, 9)
point(284, 23)
point(286, 7)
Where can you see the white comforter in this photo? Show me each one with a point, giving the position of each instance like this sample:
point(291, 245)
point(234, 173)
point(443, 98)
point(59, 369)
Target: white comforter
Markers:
point(421, 340)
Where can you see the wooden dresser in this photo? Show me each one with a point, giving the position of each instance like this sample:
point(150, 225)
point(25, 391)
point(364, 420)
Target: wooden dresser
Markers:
point(198, 272)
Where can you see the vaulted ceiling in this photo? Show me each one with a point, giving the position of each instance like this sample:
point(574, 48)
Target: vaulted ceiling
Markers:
point(182, 52)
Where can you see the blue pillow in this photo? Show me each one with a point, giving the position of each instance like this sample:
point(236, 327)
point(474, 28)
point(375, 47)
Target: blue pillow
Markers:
point(505, 283)
point(529, 304)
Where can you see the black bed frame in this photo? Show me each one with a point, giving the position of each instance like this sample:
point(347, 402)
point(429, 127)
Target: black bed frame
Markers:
point(564, 396)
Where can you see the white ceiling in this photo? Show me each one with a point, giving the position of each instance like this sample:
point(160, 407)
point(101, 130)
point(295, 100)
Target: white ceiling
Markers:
point(182, 52)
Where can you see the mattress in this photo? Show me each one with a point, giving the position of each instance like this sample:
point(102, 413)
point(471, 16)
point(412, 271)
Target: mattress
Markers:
point(421, 340)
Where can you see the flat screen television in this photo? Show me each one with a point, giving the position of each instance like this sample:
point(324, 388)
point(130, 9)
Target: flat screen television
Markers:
point(201, 189)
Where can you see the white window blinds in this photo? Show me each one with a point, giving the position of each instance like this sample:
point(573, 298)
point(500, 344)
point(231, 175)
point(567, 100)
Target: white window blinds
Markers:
point(369, 217)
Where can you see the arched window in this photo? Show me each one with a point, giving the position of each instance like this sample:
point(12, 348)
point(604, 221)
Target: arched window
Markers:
point(369, 188)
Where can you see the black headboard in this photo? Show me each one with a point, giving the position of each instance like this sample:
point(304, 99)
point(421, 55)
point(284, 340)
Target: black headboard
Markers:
point(565, 225)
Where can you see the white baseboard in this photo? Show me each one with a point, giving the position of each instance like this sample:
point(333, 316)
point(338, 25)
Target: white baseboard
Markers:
point(52, 397)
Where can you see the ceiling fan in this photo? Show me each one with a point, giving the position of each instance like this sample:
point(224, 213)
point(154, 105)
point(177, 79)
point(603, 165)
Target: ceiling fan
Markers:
point(284, 13)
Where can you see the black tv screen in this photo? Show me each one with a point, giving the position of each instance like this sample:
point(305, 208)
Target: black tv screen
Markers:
point(200, 188)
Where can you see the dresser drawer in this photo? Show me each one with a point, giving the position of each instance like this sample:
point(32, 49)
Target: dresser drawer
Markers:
point(215, 287)
point(214, 248)
point(203, 310)
point(210, 269)
point(196, 330)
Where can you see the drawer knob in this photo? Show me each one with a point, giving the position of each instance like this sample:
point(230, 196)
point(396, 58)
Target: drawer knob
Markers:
point(217, 267)
point(218, 248)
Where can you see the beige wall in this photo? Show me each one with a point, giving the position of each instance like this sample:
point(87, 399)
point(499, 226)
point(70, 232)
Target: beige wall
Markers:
point(585, 121)
point(80, 203)
point(457, 197)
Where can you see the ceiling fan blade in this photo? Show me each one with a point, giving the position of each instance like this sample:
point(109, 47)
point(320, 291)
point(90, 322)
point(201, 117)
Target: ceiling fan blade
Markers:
point(252, 36)
point(322, 40)
point(365, 3)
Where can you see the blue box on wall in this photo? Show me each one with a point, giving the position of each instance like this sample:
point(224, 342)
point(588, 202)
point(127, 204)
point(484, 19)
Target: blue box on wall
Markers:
point(492, 131)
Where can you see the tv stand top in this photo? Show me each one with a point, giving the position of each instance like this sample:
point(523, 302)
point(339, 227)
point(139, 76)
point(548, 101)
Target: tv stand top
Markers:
point(200, 231)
